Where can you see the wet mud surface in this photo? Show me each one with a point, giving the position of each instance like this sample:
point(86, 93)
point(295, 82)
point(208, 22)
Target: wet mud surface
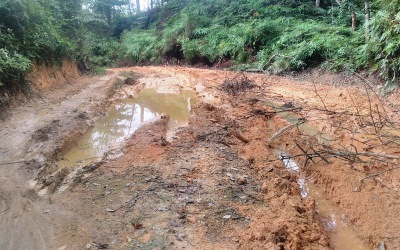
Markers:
point(176, 160)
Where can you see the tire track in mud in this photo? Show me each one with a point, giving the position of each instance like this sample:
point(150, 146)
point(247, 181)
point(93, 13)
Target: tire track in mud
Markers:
point(24, 223)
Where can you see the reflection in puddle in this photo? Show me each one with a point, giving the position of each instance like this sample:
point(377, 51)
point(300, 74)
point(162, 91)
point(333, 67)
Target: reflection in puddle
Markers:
point(304, 191)
point(341, 232)
point(124, 118)
point(290, 164)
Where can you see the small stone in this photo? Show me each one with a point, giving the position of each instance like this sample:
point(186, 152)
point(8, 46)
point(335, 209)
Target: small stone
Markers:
point(63, 247)
point(241, 180)
point(88, 245)
point(264, 187)
point(137, 225)
point(227, 216)
point(269, 246)
point(181, 236)
point(191, 219)
point(381, 246)
point(110, 210)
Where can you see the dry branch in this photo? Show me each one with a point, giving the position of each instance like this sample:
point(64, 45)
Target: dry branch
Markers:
point(281, 132)
point(377, 174)
point(239, 136)
point(286, 129)
point(15, 162)
point(236, 84)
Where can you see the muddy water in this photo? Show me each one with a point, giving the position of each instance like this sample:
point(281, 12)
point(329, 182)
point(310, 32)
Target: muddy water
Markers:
point(124, 118)
point(342, 234)
point(304, 127)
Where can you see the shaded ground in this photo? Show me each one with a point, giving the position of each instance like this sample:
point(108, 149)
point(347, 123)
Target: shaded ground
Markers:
point(217, 185)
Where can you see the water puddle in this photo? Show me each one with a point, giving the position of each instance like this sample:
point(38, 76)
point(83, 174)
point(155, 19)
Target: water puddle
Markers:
point(341, 232)
point(124, 118)
point(304, 127)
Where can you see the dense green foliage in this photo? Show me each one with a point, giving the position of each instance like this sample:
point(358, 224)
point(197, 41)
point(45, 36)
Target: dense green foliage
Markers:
point(27, 32)
point(296, 34)
point(48, 31)
point(278, 36)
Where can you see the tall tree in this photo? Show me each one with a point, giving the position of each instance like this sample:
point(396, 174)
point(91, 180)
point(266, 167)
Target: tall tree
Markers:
point(137, 6)
point(367, 17)
point(108, 8)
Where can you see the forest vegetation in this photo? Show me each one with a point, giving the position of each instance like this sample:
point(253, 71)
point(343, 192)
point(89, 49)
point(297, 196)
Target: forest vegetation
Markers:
point(268, 35)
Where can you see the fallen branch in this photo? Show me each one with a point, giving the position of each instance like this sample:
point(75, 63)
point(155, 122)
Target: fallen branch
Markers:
point(239, 136)
point(284, 130)
point(268, 62)
point(281, 132)
point(377, 174)
point(379, 155)
point(341, 153)
point(10, 163)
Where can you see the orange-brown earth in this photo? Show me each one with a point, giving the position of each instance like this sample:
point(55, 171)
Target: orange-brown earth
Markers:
point(219, 183)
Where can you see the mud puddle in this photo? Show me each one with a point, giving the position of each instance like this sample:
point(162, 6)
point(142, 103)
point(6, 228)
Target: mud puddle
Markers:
point(286, 111)
point(342, 234)
point(123, 118)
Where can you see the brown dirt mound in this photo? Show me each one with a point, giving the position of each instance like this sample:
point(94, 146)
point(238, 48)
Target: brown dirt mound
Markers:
point(44, 77)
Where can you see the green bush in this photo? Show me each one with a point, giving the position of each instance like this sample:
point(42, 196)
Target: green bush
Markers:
point(141, 46)
point(382, 52)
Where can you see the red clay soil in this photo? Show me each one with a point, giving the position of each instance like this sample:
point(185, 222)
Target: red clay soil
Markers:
point(219, 183)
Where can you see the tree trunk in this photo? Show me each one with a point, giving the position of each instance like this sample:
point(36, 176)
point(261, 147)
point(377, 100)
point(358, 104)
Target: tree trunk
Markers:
point(151, 4)
point(367, 17)
point(162, 2)
point(353, 21)
point(317, 3)
point(108, 13)
point(137, 6)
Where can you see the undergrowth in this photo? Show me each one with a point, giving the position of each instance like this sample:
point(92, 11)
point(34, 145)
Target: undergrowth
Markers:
point(275, 36)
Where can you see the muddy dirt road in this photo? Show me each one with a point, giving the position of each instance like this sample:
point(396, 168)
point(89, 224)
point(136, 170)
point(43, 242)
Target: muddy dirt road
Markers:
point(182, 158)
point(23, 220)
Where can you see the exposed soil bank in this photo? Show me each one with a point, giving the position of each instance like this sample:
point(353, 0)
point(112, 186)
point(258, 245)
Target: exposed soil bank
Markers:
point(217, 185)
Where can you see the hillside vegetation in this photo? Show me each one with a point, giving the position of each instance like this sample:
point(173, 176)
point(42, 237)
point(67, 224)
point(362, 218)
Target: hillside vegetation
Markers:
point(271, 35)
